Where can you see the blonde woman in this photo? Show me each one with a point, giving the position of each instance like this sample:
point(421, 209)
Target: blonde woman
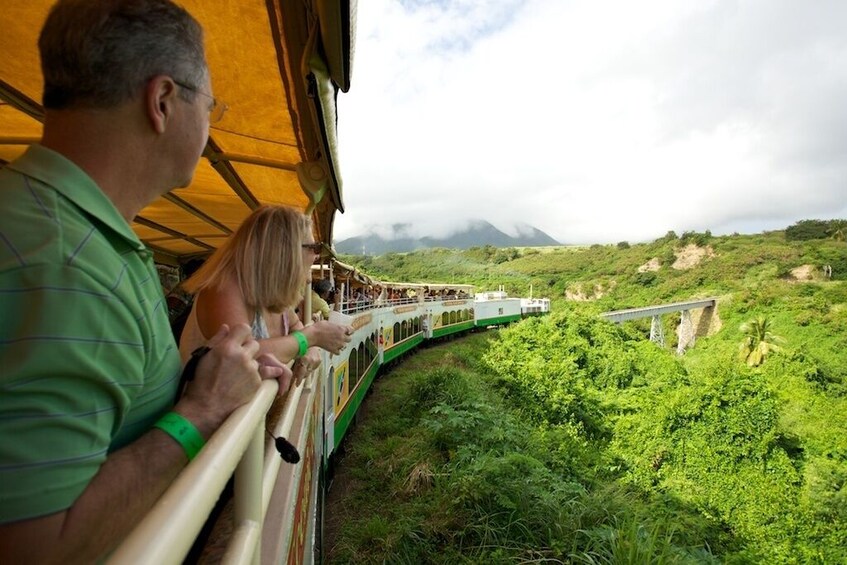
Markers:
point(256, 278)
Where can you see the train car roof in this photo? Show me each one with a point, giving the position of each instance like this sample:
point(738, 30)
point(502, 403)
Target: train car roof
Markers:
point(349, 271)
point(446, 286)
point(277, 64)
point(431, 286)
point(401, 285)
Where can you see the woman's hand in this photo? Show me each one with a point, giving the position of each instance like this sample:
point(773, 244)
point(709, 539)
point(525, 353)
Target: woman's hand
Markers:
point(329, 336)
point(303, 366)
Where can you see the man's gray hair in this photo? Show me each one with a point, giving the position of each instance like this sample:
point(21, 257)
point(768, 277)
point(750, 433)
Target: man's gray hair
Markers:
point(100, 53)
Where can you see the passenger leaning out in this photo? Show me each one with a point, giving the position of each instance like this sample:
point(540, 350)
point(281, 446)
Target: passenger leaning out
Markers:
point(257, 277)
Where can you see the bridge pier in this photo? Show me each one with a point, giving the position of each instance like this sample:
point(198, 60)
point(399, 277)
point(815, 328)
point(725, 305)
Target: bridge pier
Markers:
point(685, 332)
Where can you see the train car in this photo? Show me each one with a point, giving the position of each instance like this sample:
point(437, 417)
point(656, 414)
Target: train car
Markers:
point(534, 306)
point(276, 145)
point(496, 308)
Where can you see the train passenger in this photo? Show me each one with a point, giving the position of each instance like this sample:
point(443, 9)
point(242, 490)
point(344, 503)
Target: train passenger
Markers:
point(257, 277)
point(321, 296)
point(179, 301)
point(335, 297)
point(90, 436)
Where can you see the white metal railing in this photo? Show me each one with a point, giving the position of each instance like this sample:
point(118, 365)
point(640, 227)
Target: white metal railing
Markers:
point(168, 530)
point(356, 307)
point(444, 298)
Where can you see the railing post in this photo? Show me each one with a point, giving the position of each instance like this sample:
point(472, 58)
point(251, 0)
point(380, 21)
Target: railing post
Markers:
point(248, 488)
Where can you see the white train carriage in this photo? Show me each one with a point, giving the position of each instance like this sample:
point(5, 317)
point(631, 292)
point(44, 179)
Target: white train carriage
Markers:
point(496, 308)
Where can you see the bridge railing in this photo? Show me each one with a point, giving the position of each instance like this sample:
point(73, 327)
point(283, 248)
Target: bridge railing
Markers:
point(650, 311)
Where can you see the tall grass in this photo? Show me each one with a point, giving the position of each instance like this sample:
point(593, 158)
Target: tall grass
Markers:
point(462, 478)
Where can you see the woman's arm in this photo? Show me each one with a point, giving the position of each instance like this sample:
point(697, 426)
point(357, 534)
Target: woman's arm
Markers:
point(224, 305)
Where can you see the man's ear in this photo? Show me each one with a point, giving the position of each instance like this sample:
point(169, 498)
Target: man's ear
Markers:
point(159, 99)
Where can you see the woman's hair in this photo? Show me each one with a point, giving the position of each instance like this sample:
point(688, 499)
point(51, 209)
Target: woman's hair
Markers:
point(264, 256)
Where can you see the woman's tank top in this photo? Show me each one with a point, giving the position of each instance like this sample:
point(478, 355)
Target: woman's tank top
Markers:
point(192, 337)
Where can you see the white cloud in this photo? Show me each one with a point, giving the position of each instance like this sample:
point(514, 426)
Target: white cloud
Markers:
point(595, 121)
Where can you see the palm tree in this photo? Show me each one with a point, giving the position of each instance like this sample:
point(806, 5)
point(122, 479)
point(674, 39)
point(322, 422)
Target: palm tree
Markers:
point(838, 230)
point(758, 341)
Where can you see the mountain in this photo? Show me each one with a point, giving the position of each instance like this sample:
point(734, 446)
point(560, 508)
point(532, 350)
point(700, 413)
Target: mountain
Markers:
point(476, 234)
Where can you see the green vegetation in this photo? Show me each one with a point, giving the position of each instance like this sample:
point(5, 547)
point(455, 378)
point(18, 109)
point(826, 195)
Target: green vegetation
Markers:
point(816, 229)
point(610, 273)
point(447, 470)
point(569, 439)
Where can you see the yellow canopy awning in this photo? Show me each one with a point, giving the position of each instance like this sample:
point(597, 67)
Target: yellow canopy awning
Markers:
point(277, 64)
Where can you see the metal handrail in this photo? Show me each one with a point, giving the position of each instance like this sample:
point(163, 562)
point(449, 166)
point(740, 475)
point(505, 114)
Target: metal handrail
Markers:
point(166, 533)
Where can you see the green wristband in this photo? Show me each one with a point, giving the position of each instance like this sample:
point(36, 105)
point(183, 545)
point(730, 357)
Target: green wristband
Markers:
point(183, 431)
point(302, 342)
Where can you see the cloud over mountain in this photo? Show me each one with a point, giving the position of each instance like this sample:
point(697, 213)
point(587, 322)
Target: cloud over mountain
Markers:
point(398, 238)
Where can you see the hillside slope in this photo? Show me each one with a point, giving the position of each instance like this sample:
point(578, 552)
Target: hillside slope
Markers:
point(569, 439)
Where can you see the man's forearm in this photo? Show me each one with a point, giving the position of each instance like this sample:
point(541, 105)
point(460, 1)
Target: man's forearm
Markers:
point(124, 489)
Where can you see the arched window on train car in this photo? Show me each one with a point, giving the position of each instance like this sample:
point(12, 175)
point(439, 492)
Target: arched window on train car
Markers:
point(370, 344)
point(445, 319)
point(353, 369)
point(467, 314)
point(453, 317)
point(339, 385)
point(416, 325)
point(333, 393)
point(404, 329)
point(397, 337)
point(363, 361)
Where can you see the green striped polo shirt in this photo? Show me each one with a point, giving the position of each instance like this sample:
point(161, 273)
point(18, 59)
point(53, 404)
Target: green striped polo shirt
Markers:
point(87, 358)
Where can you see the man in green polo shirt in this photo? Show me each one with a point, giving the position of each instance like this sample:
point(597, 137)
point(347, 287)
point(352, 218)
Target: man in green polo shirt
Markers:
point(89, 434)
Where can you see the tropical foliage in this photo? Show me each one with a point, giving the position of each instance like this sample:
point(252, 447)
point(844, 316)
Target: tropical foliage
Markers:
point(758, 341)
point(569, 439)
point(815, 229)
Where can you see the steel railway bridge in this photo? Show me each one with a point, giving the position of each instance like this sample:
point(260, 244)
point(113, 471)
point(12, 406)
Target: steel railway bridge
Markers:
point(686, 330)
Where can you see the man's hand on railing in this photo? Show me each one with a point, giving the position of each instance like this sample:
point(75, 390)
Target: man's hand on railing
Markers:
point(227, 377)
point(272, 368)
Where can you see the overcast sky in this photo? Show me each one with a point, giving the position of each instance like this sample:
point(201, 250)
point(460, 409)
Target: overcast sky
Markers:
point(595, 121)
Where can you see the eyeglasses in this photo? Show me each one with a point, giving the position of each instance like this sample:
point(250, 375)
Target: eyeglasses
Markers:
point(216, 110)
point(313, 247)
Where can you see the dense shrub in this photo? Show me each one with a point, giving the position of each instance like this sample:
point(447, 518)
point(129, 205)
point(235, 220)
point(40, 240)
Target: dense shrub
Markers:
point(811, 229)
point(714, 438)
